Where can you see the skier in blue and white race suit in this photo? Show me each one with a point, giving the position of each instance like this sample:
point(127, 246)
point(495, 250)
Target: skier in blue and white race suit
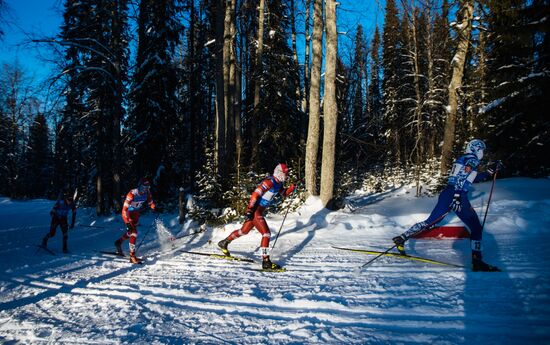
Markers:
point(455, 197)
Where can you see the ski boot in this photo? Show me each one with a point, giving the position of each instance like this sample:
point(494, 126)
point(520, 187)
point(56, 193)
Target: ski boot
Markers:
point(223, 246)
point(478, 265)
point(134, 259)
point(400, 244)
point(268, 265)
point(65, 247)
point(118, 245)
point(45, 241)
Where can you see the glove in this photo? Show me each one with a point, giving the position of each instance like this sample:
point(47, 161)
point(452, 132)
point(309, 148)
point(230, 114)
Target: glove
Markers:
point(129, 227)
point(157, 210)
point(290, 189)
point(495, 167)
point(249, 214)
point(456, 205)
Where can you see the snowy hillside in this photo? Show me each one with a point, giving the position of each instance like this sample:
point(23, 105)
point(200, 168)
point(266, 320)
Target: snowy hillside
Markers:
point(86, 297)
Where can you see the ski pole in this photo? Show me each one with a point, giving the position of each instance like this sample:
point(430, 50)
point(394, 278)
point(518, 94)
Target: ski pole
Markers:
point(283, 222)
point(423, 228)
point(489, 201)
point(143, 239)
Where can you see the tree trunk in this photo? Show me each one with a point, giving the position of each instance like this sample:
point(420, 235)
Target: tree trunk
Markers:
point(312, 146)
point(305, 94)
point(464, 28)
point(257, 84)
point(330, 109)
point(220, 86)
point(237, 108)
point(294, 48)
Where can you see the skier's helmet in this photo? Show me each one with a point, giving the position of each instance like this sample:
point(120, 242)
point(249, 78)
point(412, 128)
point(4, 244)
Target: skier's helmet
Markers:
point(144, 185)
point(281, 172)
point(67, 195)
point(476, 147)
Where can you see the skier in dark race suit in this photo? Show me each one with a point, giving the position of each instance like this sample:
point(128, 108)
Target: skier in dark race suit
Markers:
point(60, 214)
point(455, 197)
point(259, 200)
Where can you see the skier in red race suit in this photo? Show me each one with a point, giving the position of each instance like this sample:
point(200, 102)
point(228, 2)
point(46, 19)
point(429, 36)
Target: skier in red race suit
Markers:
point(130, 214)
point(59, 214)
point(259, 200)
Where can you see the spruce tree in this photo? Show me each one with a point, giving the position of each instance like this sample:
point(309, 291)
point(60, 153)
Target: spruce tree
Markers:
point(39, 165)
point(519, 85)
point(390, 81)
point(152, 120)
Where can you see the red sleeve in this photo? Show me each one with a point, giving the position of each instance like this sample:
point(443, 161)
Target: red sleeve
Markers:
point(150, 201)
point(129, 198)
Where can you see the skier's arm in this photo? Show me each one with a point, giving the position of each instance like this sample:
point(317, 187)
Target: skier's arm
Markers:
point(127, 202)
point(287, 191)
point(54, 208)
point(258, 193)
point(74, 215)
point(151, 202)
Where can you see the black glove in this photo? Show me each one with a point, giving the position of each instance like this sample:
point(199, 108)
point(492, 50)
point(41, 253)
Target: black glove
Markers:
point(129, 226)
point(495, 167)
point(455, 204)
point(249, 215)
point(157, 209)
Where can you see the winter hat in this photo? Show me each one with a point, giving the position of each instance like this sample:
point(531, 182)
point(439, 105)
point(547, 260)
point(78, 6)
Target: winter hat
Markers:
point(281, 172)
point(476, 147)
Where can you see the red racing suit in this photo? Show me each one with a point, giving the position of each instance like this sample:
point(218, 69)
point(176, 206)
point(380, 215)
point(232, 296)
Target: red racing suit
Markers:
point(130, 213)
point(259, 200)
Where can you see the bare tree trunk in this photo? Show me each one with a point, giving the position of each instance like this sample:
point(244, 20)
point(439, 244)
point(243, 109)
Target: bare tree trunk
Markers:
point(464, 27)
point(257, 84)
point(231, 87)
point(418, 145)
point(305, 94)
point(312, 146)
point(330, 109)
point(220, 86)
point(237, 108)
point(294, 48)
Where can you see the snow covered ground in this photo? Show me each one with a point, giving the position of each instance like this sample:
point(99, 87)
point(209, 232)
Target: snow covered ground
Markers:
point(86, 297)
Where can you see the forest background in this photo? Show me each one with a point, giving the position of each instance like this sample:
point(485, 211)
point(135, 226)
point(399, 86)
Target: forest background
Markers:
point(205, 97)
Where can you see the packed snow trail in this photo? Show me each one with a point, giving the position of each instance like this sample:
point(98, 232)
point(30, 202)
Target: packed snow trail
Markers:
point(85, 297)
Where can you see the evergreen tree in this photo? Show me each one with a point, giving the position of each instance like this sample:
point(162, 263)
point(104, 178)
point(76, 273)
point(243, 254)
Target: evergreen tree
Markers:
point(519, 85)
point(38, 165)
point(374, 102)
point(390, 81)
point(279, 123)
point(358, 69)
point(152, 121)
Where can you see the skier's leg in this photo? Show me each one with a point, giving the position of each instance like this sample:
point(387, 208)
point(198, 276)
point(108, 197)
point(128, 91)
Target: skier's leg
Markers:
point(245, 229)
point(65, 231)
point(51, 233)
point(262, 227)
point(469, 216)
point(439, 210)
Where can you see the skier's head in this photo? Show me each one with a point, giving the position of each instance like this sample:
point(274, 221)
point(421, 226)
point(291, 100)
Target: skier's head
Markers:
point(67, 196)
point(281, 172)
point(476, 147)
point(144, 185)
